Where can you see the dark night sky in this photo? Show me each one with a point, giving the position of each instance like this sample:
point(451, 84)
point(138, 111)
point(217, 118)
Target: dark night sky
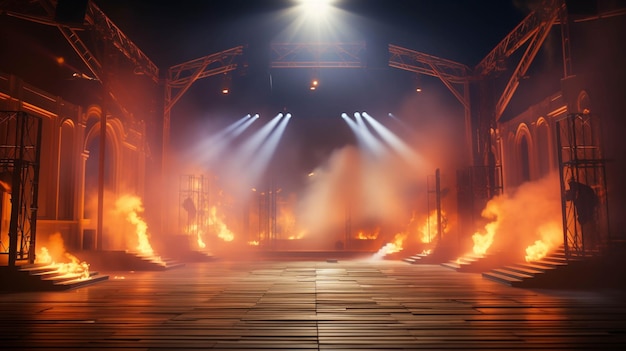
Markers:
point(174, 32)
point(171, 33)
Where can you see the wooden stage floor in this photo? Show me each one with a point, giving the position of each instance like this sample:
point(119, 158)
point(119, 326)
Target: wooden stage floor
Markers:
point(309, 305)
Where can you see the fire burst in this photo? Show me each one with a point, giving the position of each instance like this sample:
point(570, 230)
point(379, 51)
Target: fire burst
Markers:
point(131, 206)
point(392, 247)
point(550, 234)
point(482, 242)
point(219, 226)
point(74, 267)
point(429, 230)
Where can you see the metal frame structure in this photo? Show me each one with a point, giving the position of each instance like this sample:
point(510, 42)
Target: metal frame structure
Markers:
point(20, 152)
point(580, 160)
point(182, 76)
point(317, 55)
point(193, 200)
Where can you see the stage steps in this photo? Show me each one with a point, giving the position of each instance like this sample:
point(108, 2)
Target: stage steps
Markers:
point(554, 270)
point(45, 277)
point(475, 263)
point(139, 261)
point(127, 261)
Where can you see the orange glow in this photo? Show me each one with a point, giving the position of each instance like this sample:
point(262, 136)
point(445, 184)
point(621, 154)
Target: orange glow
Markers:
point(362, 235)
point(219, 226)
point(199, 234)
point(483, 241)
point(392, 247)
point(253, 243)
point(297, 236)
point(74, 267)
point(429, 230)
point(60, 60)
point(286, 223)
point(131, 206)
point(551, 236)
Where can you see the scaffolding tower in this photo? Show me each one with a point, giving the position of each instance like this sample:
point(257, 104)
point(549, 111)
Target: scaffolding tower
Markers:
point(583, 185)
point(20, 151)
point(193, 209)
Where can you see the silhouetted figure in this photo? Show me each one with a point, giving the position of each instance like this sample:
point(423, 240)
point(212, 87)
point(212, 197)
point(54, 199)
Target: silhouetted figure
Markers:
point(585, 201)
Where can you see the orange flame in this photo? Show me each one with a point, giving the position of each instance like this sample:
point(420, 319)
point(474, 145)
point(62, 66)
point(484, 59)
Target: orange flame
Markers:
point(482, 242)
point(362, 235)
point(430, 230)
point(131, 206)
point(392, 247)
point(551, 235)
point(220, 227)
point(297, 236)
point(74, 267)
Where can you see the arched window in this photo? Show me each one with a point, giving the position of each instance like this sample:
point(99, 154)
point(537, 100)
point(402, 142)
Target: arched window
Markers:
point(524, 159)
point(66, 172)
point(543, 148)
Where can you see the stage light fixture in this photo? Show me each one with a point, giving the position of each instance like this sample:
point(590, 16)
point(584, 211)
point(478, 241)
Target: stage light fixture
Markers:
point(315, 8)
point(226, 83)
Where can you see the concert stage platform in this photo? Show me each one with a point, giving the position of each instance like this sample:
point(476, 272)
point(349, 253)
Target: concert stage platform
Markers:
point(316, 304)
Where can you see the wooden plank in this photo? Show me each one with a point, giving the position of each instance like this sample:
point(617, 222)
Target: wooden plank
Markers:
point(290, 304)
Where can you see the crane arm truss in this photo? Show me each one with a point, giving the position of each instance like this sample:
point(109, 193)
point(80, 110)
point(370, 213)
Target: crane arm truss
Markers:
point(544, 20)
point(317, 55)
point(524, 31)
point(180, 77)
point(110, 31)
point(449, 72)
point(44, 12)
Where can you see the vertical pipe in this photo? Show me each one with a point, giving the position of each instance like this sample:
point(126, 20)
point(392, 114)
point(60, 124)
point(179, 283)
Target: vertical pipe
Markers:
point(101, 163)
point(438, 199)
point(35, 195)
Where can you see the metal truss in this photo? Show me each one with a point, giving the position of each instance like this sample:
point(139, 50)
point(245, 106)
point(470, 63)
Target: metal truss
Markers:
point(180, 77)
point(112, 33)
point(532, 30)
point(317, 55)
point(20, 152)
point(194, 207)
point(454, 75)
point(43, 11)
point(584, 207)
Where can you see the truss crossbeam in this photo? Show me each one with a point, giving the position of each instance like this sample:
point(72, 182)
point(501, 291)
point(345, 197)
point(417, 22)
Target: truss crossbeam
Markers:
point(524, 31)
point(454, 75)
point(317, 55)
point(182, 76)
point(103, 24)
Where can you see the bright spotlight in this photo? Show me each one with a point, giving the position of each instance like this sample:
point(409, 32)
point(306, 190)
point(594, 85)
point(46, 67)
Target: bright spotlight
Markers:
point(315, 8)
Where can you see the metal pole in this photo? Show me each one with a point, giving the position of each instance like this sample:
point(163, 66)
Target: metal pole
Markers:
point(438, 203)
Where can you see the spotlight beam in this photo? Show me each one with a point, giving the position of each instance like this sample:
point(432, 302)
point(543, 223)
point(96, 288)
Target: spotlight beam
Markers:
point(372, 143)
point(244, 154)
point(392, 140)
point(217, 143)
point(266, 151)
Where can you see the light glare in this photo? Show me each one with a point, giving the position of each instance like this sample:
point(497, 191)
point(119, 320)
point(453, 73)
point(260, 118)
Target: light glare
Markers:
point(315, 8)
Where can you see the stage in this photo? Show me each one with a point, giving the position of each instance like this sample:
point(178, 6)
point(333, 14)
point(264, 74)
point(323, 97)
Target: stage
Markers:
point(318, 304)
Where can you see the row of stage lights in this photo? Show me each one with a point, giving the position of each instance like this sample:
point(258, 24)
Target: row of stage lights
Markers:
point(313, 86)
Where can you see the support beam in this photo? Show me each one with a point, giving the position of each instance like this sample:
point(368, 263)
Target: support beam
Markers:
point(455, 76)
point(317, 55)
